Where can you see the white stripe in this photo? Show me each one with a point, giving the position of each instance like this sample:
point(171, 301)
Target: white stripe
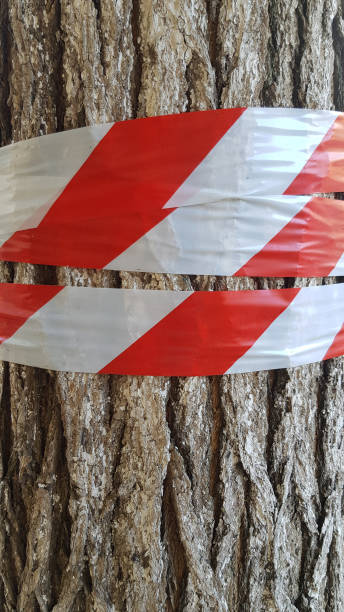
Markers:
point(302, 334)
point(82, 329)
point(261, 154)
point(34, 172)
point(210, 239)
point(338, 270)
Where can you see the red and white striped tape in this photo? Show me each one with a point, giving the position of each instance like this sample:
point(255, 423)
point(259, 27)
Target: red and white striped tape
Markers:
point(280, 236)
point(86, 197)
point(182, 333)
point(270, 236)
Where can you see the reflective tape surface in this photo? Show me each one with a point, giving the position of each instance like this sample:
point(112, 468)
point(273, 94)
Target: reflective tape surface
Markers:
point(169, 333)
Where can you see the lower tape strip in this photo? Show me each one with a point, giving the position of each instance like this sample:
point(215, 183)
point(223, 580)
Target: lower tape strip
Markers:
point(169, 333)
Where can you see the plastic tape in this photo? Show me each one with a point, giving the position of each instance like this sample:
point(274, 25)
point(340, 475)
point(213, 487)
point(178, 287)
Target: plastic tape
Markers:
point(111, 196)
point(182, 333)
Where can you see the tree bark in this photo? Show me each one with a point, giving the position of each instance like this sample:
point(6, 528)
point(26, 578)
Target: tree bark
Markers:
point(148, 493)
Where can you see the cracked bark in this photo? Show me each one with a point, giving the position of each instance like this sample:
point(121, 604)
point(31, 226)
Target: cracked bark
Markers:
point(129, 493)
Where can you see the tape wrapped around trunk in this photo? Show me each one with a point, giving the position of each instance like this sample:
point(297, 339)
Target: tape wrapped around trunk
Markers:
point(114, 195)
point(182, 333)
point(271, 236)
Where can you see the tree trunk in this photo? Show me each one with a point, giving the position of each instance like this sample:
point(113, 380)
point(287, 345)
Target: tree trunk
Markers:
point(148, 493)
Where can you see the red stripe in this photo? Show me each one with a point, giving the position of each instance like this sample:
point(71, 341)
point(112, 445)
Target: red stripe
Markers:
point(324, 171)
point(309, 245)
point(205, 335)
point(19, 302)
point(337, 347)
point(118, 193)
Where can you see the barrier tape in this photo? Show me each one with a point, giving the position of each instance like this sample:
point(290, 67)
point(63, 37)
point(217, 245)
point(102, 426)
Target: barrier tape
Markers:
point(182, 333)
point(270, 236)
point(280, 236)
point(85, 197)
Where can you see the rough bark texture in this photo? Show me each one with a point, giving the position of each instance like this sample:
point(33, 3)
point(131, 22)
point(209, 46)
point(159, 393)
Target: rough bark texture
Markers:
point(126, 493)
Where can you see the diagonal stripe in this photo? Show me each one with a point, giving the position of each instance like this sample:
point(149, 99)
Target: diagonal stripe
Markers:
point(309, 245)
point(210, 239)
point(261, 154)
point(82, 328)
point(205, 335)
point(301, 334)
point(338, 270)
point(34, 172)
point(136, 167)
point(19, 302)
point(337, 347)
point(324, 171)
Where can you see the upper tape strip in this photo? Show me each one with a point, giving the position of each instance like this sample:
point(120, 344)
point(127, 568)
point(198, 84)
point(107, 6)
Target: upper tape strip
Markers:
point(123, 331)
point(85, 197)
